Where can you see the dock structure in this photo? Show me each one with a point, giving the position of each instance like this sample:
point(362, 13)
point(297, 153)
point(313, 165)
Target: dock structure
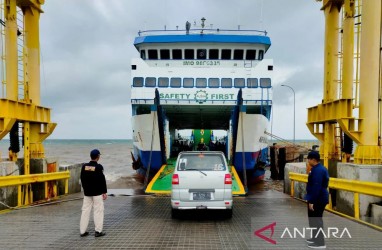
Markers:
point(144, 222)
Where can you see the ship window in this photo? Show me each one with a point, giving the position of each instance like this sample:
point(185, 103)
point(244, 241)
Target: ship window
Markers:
point(265, 82)
point(150, 82)
point(201, 82)
point(164, 54)
point(188, 82)
point(239, 83)
point(143, 54)
point(188, 54)
point(138, 82)
point(176, 54)
point(153, 54)
point(163, 82)
point(252, 83)
point(213, 54)
point(213, 82)
point(226, 83)
point(251, 54)
point(226, 54)
point(201, 54)
point(238, 54)
point(261, 54)
point(175, 82)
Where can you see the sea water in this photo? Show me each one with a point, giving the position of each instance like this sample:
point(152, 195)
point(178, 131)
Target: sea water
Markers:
point(115, 154)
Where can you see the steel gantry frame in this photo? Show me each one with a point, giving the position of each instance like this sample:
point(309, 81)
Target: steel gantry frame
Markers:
point(337, 107)
point(35, 119)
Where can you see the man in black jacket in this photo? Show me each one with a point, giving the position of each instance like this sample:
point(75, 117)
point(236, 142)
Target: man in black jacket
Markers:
point(94, 184)
point(317, 197)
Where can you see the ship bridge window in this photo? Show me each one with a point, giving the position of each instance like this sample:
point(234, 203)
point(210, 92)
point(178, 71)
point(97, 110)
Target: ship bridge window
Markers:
point(138, 82)
point(188, 82)
point(252, 83)
point(153, 54)
point(226, 54)
point(239, 83)
point(189, 54)
point(164, 54)
point(265, 82)
point(163, 82)
point(251, 54)
point(226, 83)
point(261, 54)
point(175, 82)
point(238, 54)
point(213, 82)
point(201, 82)
point(143, 54)
point(213, 54)
point(201, 54)
point(150, 82)
point(177, 54)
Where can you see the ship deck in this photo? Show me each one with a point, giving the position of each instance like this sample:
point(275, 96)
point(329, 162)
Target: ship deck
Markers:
point(144, 222)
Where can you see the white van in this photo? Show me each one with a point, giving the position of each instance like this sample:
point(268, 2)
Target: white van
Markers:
point(201, 180)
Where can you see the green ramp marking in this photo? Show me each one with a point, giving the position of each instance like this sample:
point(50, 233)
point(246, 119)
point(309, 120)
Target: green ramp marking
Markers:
point(161, 182)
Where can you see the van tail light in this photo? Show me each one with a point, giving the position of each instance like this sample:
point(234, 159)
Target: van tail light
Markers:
point(175, 179)
point(227, 179)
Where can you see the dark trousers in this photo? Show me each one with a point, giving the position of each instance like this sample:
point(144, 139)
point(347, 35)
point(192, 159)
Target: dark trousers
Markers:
point(315, 221)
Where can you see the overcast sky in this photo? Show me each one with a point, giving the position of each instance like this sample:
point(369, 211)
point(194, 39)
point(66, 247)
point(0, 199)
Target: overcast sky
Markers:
point(87, 46)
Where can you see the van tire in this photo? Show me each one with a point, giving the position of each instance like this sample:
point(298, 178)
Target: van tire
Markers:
point(228, 213)
point(174, 213)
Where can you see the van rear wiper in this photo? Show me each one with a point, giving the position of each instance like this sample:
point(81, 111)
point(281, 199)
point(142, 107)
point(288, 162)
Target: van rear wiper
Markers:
point(196, 170)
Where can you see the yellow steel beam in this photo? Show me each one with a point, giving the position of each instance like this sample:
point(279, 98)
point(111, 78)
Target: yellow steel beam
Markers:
point(11, 69)
point(348, 50)
point(331, 10)
point(6, 125)
point(16, 180)
point(24, 111)
point(32, 46)
point(368, 151)
point(362, 187)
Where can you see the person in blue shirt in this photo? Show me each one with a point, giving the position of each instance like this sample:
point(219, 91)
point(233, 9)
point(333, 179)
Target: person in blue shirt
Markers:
point(317, 196)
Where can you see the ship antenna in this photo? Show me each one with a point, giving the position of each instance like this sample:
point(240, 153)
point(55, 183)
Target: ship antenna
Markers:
point(188, 26)
point(203, 20)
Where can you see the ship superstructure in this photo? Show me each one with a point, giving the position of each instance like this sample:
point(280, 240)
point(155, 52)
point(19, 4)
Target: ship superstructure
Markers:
point(201, 79)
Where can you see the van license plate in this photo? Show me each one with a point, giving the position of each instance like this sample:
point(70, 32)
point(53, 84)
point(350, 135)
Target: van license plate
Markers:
point(201, 196)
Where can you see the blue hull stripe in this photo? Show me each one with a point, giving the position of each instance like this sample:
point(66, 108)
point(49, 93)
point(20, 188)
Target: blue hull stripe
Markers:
point(250, 159)
point(156, 159)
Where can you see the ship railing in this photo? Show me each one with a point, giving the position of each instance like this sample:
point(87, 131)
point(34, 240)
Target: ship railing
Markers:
point(355, 186)
point(25, 197)
point(193, 101)
point(202, 31)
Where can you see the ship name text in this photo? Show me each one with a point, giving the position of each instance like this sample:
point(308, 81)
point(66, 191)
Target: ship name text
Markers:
point(201, 63)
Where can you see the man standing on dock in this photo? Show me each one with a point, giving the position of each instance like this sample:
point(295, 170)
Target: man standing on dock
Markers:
point(94, 184)
point(318, 197)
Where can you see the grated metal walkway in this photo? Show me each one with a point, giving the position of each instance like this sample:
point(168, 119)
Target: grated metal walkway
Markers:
point(144, 222)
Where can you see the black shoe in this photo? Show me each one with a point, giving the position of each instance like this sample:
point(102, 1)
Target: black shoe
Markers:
point(317, 246)
point(84, 234)
point(309, 241)
point(99, 234)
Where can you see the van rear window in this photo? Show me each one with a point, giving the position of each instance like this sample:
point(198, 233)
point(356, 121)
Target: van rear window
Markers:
point(201, 162)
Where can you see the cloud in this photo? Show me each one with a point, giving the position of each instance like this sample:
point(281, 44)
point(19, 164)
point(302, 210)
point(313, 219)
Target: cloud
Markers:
point(87, 46)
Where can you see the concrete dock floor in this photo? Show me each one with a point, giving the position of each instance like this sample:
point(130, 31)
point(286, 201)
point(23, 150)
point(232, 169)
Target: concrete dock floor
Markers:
point(137, 221)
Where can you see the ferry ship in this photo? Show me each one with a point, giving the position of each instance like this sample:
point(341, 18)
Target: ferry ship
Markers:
point(201, 79)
